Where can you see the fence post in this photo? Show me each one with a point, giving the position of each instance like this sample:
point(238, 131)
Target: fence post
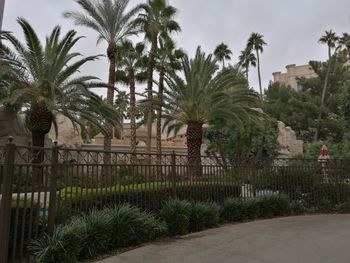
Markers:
point(337, 186)
point(173, 174)
point(53, 189)
point(6, 201)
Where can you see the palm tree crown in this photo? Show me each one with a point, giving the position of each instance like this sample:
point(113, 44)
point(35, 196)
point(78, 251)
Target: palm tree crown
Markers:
point(344, 41)
point(222, 53)
point(203, 96)
point(157, 18)
point(257, 43)
point(109, 18)
point(246, 59)
point(49, 85)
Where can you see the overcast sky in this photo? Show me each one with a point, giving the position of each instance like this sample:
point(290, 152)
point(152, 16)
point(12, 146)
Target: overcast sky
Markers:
point(291, 28)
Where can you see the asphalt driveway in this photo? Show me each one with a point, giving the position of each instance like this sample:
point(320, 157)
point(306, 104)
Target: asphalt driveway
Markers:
point(311, 239)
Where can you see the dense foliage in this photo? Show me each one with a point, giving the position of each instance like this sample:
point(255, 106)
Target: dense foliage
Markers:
point(300, 109)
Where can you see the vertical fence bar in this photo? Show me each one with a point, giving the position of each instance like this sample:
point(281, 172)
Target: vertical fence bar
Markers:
point(173, 174)
point(53, 190)
point(6, 202)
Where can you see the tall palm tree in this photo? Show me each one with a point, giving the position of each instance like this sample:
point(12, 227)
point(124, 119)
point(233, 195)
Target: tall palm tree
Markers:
point(222, 52)
point(49, 85)
point(202, 97)
point(114, 22)
point(330, 38)
point(257, 43)
point(167, 59)
point(157, 18)
point(344, 41)
point(131, 67)
point(247, 59)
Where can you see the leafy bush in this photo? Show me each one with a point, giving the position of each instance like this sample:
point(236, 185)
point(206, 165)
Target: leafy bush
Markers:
point(204, 215)
point(95, 233)
point(63, 246)
point(98, 234)
point(130, 226)
point(344, 208)
point(231, 210)
point(77, 200)
point(176, 215)
point(250, 208)
point(297, 207)
point(273, 205)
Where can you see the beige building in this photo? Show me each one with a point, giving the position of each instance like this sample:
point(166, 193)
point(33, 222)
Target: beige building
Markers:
point(293, 72)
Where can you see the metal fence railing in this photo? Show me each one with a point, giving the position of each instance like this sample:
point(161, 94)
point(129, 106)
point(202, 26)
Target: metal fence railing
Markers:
point(43, 187)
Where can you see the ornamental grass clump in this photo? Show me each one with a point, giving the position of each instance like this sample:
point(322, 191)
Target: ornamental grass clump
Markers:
point(176, 215)
point(273, 205)
point(63, 246)
point(204, 215)
point(96, 233)
point(130, 226)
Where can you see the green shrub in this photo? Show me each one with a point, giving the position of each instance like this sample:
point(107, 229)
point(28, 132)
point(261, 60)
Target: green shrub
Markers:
point(273, 205)
point(250, 208)
point(63, 246)
point(130, 226)
point(76, 200)
point(176, 215)
point(325, 206)
point(203, 215)
point(98, 234)
point(344, 208)
point(231, 210)
point(235, 210)
point(297, 207)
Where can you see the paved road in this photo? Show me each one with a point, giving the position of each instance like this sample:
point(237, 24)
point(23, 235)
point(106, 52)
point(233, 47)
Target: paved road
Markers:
point(311, 239)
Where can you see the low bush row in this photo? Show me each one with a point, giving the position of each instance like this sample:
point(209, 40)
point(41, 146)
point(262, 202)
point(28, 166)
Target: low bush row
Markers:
point(75, 202)
point(99, 232)
point(96, 233)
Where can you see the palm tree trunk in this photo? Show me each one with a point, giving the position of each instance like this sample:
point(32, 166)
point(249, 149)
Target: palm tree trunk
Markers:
point(107, 142)
point(219, 143)
point(323, 96)
point(194, 142)
point(150, 94)
point(38, 140)
point(259, 75)
point(159, 110)
point(132, 112)
point(247, 73)
point(223, 63)
point(111, 50)
point(159, 120)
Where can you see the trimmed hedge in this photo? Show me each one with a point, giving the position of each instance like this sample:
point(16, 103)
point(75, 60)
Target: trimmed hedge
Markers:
point(235, 210)
point(182, 217)
point(148, 199)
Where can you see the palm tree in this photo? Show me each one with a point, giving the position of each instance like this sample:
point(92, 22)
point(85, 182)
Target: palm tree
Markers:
point(330, 38)
point(202, 97)
point(222, 52)
point(344, 41)
point(257, 43)
point(167, 59)
point(157, 19)
point(113, 22)
point(49, 85)
point(131, 67)
point(247, 59)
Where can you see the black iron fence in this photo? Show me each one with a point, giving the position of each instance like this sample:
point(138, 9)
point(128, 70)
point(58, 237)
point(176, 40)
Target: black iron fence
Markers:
point(44, 187)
